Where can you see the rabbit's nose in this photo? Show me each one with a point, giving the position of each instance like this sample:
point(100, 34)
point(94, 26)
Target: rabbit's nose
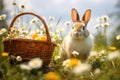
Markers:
point(76, 34)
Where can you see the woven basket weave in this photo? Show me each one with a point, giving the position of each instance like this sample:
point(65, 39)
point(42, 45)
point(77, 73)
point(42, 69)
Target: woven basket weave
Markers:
point(29, 48)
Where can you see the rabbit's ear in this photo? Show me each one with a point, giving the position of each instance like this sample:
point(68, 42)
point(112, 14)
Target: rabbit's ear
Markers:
point(74, 15)
point(86, 16)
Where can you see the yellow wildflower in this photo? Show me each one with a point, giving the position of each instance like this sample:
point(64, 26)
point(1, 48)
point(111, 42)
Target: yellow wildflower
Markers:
point(5, 54)
point(71, 62)
point(34, 35)
point(42, 38)
point(52, 76)
point(112, 48)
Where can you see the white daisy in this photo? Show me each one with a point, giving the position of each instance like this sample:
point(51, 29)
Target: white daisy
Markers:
point(80, 69)
point(35, 63)
point(2, 17)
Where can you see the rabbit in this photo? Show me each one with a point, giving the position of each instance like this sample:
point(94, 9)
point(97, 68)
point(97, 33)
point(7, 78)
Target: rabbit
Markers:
point(78, 38)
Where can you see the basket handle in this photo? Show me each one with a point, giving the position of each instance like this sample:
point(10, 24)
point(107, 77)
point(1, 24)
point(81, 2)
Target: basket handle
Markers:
point(30, 13)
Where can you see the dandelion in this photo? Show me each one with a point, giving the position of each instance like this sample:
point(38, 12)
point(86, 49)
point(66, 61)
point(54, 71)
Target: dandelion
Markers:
point(67, 23)
point(71, 62)
point(113, 55)
point(18, 58)
point(5, 54)
point(118, 37)
point(55, 37)
point(42, 38)
point(35, 63)
point(82, 68)
point(52, 76)
point(25, 67)
point(105, 24)
point(34, 35)
point(51, 18)
point(2, 17)
point(112, 48)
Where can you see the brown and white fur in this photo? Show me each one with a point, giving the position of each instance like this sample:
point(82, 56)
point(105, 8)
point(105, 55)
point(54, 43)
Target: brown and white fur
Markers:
point(78, 38)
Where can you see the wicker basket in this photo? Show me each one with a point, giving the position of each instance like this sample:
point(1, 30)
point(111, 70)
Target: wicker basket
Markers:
point(29, 48)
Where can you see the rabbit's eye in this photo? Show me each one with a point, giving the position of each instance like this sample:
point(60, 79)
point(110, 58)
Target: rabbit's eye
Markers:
point(83, 27)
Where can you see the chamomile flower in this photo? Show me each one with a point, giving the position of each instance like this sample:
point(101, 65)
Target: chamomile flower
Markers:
point(2, 31)
point(2, 17)
point(25, 67)
point(33, 21)
point(105, 18)
point(97, 71)
point(22, 6)
point(97, 26)
point(82, 68)
point(35, 63)
point(61, 29)
point(99, 19)
point(14, 3)
point(118, 37)
point(18, 58)
point(67, 23)
point(55, 37)
point(105, 24)
point(113, 55)
point(52, 33)
point(51, 18)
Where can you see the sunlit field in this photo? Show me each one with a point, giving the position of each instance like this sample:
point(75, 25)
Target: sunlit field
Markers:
point(103, 62)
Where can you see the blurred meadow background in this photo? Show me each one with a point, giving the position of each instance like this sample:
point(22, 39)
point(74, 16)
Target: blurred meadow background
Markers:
point(104, 60)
